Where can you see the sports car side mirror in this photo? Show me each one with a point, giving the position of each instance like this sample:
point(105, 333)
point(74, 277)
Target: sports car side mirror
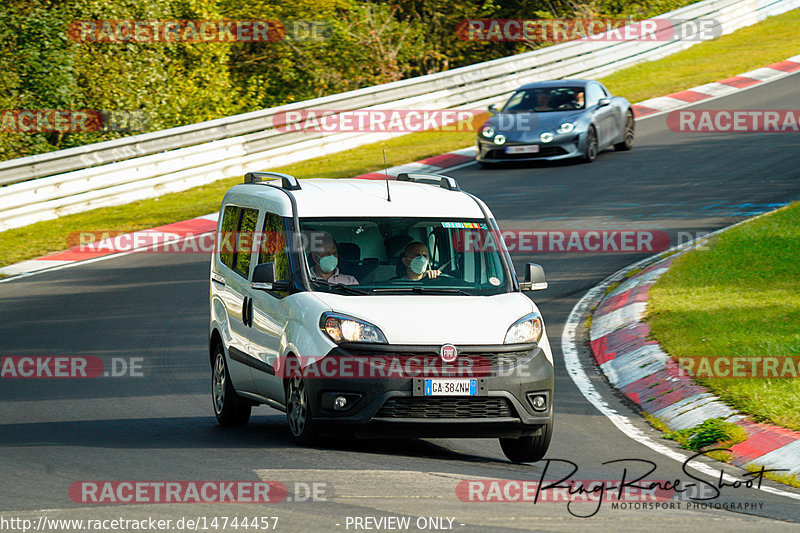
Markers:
point(603, 102)
point(493, 109)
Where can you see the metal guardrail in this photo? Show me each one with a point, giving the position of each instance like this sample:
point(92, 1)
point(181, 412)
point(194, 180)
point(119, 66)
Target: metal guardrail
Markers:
point(50, 185)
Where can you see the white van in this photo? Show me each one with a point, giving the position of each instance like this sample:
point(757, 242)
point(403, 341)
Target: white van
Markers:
point(376, 308)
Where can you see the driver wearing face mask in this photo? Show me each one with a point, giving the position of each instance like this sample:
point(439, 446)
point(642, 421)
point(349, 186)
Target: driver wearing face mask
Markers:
point(415, 258)
point(326, 262)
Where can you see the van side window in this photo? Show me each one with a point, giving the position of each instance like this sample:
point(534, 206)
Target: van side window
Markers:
point(273, 247)
point(244, 241)
point(225, 240)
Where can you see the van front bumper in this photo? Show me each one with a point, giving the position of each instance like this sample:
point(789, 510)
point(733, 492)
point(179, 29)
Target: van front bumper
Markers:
point(386, 395)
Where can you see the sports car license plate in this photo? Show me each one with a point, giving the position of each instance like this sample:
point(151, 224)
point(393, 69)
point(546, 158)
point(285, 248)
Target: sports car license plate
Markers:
point(528, 149)
point(451, 387)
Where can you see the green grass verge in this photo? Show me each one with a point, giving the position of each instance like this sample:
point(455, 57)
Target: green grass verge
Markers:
point(706, 62)
point(769, 41)
point(787, 479)
point(739, 296)
point(712, 433)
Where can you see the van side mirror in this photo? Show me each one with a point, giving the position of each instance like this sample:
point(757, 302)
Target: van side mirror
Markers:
point(264, 278)
point(534, 279)
point(493, 109)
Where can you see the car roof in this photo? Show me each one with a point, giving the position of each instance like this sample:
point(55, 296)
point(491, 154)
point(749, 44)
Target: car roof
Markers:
point(320, 197)
point(575, 82)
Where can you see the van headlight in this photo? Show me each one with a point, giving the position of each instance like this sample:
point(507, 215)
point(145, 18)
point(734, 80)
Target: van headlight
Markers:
point(527, 329)
point(346, 328)
point(566, 127)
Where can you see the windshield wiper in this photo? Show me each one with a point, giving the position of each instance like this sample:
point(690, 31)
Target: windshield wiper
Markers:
point(418, 289)
point(342, 287)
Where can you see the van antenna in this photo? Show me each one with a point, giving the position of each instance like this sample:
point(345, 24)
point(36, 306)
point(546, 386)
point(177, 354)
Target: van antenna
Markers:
point(386, 172)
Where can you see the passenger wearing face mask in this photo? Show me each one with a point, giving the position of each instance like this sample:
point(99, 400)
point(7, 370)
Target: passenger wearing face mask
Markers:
point(326, 262)
point(415, 258)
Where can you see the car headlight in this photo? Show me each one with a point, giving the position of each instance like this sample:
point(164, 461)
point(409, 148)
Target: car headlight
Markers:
point(500, 139)
point(527, 329)
point(546, 137)
point(566, 127)
point(487, 131)
point(346, 328)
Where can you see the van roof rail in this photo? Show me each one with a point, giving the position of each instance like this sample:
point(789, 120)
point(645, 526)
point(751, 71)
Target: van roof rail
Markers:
point(290, 183)
point(445, 182)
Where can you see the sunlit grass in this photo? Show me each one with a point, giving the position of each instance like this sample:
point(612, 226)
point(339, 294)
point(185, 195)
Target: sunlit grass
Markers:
point(739, 297)
point(769, 41)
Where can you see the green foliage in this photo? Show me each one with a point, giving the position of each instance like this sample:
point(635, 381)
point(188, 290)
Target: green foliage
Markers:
point(367, 42)
point(711, 433)
point(175, 84)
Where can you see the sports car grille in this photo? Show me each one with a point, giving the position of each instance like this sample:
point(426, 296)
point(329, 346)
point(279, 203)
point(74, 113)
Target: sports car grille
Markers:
point(544, 151)
point(428, 407)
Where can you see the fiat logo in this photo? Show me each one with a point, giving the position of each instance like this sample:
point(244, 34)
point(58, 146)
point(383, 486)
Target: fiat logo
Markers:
point(448, 353)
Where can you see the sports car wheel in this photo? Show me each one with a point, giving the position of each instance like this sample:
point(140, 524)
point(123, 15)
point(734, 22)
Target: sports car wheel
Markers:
point(298, 409)
point(229, 408)
point(628, 137)
point(591, 145)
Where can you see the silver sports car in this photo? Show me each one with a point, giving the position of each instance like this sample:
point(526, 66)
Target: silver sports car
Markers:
point(559, 119)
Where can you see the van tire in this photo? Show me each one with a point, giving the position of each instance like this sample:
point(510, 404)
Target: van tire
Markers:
point(229, 408)
point(298, 409)
point(528, 449)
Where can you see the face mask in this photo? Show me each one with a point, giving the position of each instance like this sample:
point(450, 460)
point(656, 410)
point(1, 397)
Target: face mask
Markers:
point(328, 263)
point(419, 264)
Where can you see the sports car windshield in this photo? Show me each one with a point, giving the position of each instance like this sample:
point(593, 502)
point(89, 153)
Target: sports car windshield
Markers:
point(543, 100)
point(377, 255)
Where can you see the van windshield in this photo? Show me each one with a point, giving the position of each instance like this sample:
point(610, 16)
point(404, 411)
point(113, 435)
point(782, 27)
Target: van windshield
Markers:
point(383, 255)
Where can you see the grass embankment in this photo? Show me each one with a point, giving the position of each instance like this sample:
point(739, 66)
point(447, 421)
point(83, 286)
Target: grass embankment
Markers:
point(767, 42)
point(739, 297)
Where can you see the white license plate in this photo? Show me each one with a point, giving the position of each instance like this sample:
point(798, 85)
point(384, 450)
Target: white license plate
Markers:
point(528, 149)
point(451, 387)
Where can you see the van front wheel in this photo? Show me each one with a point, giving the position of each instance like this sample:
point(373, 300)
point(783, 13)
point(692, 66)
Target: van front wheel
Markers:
point(528, 449)
point(298, 410)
